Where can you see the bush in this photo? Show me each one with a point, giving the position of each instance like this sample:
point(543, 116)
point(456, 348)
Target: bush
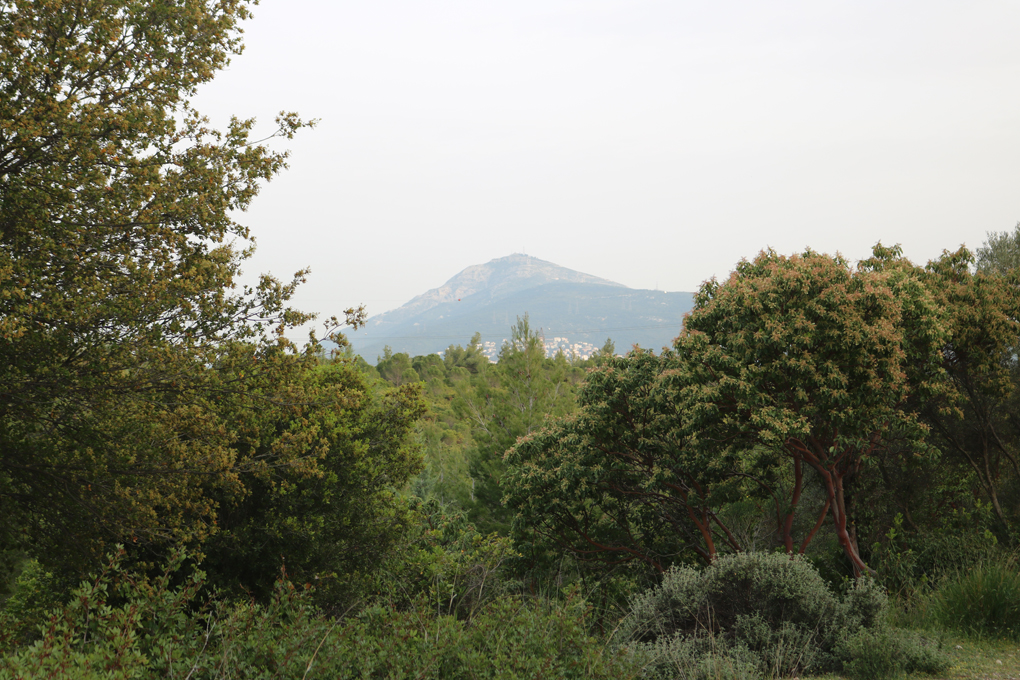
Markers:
point(880, 653)
point(527, 639)
point(445, 565)
point(702, 656)
point(773, 587)
point(983, 600)
point(34, 594)
point(769, 612)
point(122, 625)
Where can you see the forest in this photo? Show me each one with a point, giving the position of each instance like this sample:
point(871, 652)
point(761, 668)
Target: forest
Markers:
point(820, 477)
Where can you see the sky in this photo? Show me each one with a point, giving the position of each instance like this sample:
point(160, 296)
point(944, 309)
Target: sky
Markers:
point(652, 143)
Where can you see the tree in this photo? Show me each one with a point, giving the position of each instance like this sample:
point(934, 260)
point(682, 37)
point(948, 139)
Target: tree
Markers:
point(608, 349)
point(335, 526)
point(123, 340)
point(813, 360)
point(506, 401)
point(470, 357)
point(974, 419)
point(396, 368)
point(1000, 252)
point(617, 481)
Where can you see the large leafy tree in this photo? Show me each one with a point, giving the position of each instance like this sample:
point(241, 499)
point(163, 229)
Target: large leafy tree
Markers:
point(617, 481)
point(975, 418)
point(814, 360)
point(626, 478)
point(126, 348)
point(336, 525)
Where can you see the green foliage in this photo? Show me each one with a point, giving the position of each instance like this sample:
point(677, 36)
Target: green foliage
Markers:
point(1000, 252)
point(911, 564)
point(615, 482)
point(12, 564)
point(825, 337)
point(396, 368)
point(444, 437)
point(809, 359)
point(520, 639)
point(130, 365)
point(880, 653)
point(35, 593)
point(333, 527)
point(512, 399)
point(121, 625)
point(702, 656)
point(926, 516)
point(762, 409)
point(769, 611)
point(973, 418)
point(446, 566)
point(510, 638)
point(773, 587)
point(469, 358)
point(981, 599)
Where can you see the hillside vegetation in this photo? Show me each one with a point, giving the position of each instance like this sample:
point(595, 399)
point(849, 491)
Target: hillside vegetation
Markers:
point(818, 477)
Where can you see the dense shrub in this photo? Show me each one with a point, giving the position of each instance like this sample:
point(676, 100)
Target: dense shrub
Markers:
point(702, 656)
point(445, 564)
point(882, 652)
point(772, 587)
point(909, 563)
point(509, 638)
point(765, 612)
point(120, 625)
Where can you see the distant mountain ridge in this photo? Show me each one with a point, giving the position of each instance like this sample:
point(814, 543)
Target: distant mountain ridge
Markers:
point(497, 278)
point(562, 302)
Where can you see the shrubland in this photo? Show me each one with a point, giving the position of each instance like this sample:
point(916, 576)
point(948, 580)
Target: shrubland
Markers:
point(819, 476)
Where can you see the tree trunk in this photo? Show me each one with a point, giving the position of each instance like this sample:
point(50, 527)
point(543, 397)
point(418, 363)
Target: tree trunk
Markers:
point(837, 504)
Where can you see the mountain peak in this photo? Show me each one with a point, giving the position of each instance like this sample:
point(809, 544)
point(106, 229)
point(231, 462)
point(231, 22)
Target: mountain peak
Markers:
point(496, 278)
point(566, 305)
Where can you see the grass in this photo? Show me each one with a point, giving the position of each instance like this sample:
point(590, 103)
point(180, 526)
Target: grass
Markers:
point(972, 660)
point(992, 659)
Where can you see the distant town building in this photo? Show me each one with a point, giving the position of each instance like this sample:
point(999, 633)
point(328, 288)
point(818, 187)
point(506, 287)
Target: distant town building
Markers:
point(553, 346)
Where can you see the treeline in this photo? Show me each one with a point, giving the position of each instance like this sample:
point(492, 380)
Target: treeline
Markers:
point(854, 414)
point(478, 410)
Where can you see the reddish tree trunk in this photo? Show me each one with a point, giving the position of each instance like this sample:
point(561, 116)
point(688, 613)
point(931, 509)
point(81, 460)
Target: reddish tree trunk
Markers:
point(833, 470)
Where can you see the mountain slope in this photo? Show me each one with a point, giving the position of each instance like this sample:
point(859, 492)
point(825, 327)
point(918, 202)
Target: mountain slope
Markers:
point(561, 302)
point(498, 278)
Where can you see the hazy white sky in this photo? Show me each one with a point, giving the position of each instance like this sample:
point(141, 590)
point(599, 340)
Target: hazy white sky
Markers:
point(651, 143)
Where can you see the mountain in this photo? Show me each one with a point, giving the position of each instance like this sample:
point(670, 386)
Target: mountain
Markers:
point(563, 303)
